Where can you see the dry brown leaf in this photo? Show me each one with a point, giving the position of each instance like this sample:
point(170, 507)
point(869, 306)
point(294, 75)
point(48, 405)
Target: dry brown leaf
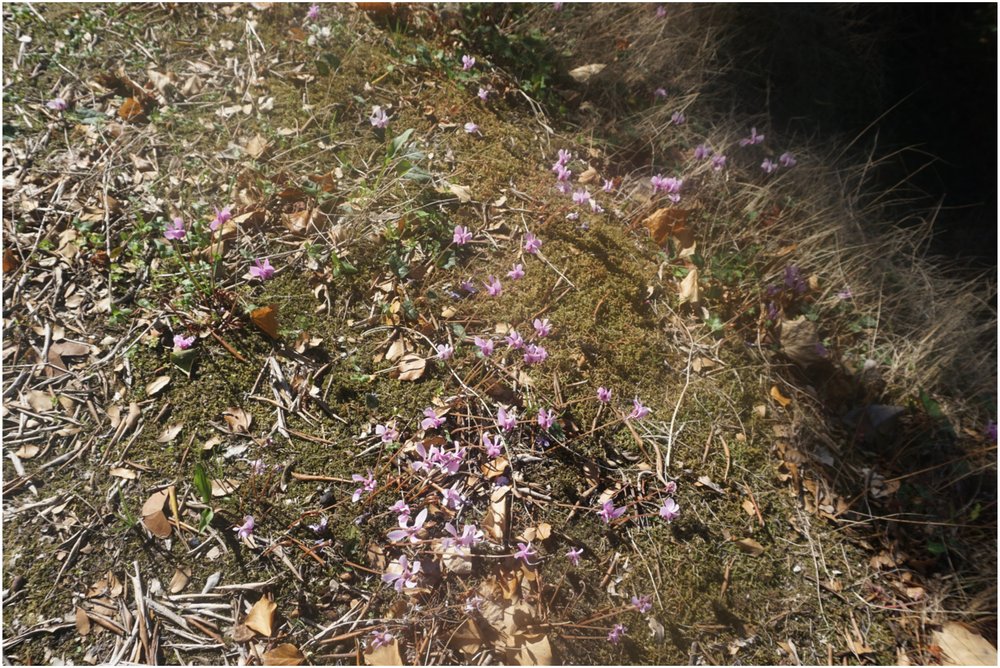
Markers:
point(256, 146)
point(411, 367)
point(82, 621)
point(395, 351)
point(224, 487)
point(170, 433)
point(10, 261)
point(534, 651)
point(386, 655)
point(750, 546)
point(468, 639)
point(779, 397)
point(179, 580)
point(261, 616)
point(689, 287)
point(284, 655)
point(665, 223)
point(494, 468)
point(463, 193)
point(749, 508)
point(496, 516)
point(266, 318)
point(242, 634)
point(962, 647)
point(238, 420)
point(800, 341)
point(131, 109)
point(123, 472)
point(39, 401)
point(590, 175)
point(584, 73)
point(27, 451)
point(156, 386)
point(153, 517)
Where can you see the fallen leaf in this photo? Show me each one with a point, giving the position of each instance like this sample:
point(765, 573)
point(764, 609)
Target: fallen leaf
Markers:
point(779, 397)
point(463, 193)
point(496, 516)
point(800, 341)
point(395, 351)
point(179, 580)
point(242, 634)
point(689, 287)
point(584, 73)
point(170, 433)
point(261, 616)
point(123, 472)
point(962, 647)
point(411, 367)
point(266, 318)
point(238, 420)
point(468, 639)
point(705, 481)
point(256, 146)
point(386, 655)
point(153, 517)
point(535, 650)
point(284, 655)
point(590, 175)
point(27, 451)
point(224, 487)
point(156, 386)
point(750, 546)
point(82, 621)
point(10, 261)
point(749, 508)
point(665, 223)
point(131, 109)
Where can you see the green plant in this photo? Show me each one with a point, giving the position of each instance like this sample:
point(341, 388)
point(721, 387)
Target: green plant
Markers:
point(204, 487)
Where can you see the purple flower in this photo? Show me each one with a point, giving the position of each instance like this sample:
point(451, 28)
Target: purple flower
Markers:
point(661, 11)
point(574, 555)
point(701, 152)
point(581, 197)
point(368, 485)
point(794, 280)
point(546, 418)
point(378, 118)
point(534, 354)
point(557, 6)
point(525, 553)
point(638, 410)
point(402, 574)
point(380, 638)
point(718, 162)
point(642, 603)
point(616, 633)
point(768, 166)
point(182, 342)
point(531, 243)
point(493, 287)
point(461, 235)
point(670, 488)
point(445, 351)
point(608, 512)
point(516, 273)
point(991, 431)
point(754, 138)
point(262, 269)
point(428, 457)
point(452, 498)
point(669, 510)
point(387, 432)
point(57, 104)
point(563, 173)
point(468, 538)
point(313, 12)
point(506, 420)
point(221, 218)
point(678, 118)
point(469, 287)
point(431, 419)
point(669, 185)
point(472, 128)
point(845, 294)
point(468, 62)
point(483, 94)
point(608, 185)
point(258, 466)
point(563, 187)
point(493, 448)
point(485, 345)
point(406, 532)
point(564, 156)
point(246, 528)
point(660, 93)
point(787, 159)
point(320, 527)
point(595, 207)
point(603, 395)
point(402, 509)
point(514, 340)
point(175, 230)
point(542, 327)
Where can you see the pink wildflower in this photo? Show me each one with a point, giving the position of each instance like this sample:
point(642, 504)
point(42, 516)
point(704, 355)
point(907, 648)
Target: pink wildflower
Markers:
point(262, 269)
point(175, 230)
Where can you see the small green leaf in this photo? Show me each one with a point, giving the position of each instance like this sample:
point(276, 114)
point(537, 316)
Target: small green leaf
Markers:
point(202, 483)
point(207, 514)
point(184, 360)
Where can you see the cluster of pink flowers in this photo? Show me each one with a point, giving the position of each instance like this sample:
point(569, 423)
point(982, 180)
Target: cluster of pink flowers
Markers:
point(669, 185)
